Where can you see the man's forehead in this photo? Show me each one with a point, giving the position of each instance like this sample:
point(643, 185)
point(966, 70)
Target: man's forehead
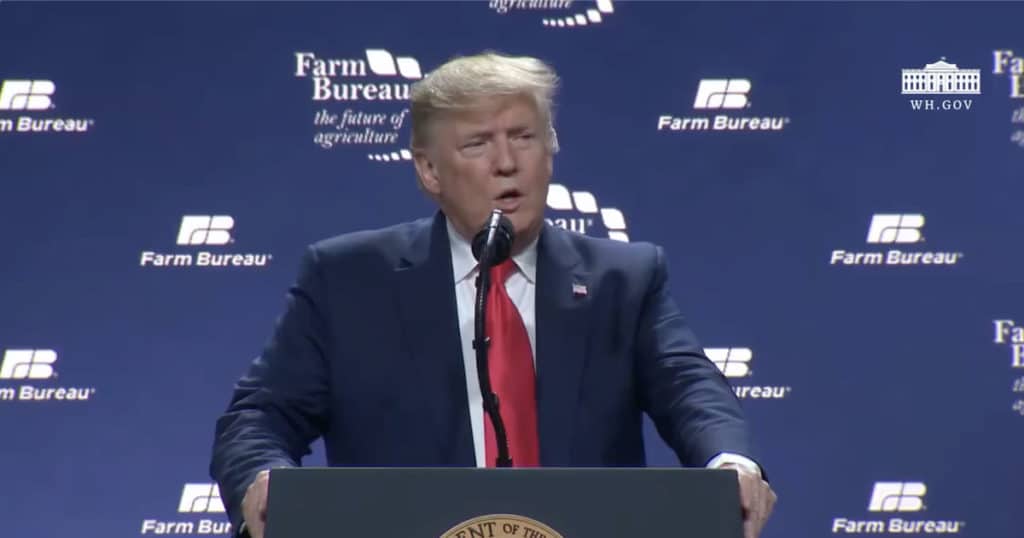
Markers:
point(513, 108)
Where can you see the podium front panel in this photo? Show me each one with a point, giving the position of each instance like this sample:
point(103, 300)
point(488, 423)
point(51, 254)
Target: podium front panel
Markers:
point(434, 502)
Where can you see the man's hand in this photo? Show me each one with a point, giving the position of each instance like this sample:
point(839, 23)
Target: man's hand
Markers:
point(254, 505)
point(757, 499)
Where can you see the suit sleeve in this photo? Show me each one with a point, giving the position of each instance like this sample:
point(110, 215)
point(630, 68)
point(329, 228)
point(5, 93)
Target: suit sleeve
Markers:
point(684, 393)
point(280, 405)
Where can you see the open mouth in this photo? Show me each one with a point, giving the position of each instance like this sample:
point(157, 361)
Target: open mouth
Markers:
point(508, 200)
point(509, 195)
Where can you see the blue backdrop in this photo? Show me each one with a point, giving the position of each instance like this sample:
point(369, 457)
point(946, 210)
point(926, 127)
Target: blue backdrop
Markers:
point(881, 394)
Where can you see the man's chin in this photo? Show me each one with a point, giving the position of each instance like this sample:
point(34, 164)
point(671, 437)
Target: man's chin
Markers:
point(526, 229)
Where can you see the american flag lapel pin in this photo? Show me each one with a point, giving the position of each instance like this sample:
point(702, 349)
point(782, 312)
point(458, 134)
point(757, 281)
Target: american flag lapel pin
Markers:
point(579, 290)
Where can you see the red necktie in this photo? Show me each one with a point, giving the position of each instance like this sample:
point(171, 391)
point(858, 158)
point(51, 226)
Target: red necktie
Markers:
point(510, 364)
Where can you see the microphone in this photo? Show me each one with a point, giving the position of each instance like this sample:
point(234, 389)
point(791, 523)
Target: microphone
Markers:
point(493, 243)
point(491, 246)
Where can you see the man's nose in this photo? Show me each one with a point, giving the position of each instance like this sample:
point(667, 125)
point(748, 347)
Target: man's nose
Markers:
point(504, 157)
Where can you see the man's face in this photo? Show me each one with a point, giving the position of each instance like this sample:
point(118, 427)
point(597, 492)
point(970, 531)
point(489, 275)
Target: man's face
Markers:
point(493, 155)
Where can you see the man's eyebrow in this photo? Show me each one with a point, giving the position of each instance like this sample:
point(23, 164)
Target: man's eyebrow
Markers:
point(476, 132)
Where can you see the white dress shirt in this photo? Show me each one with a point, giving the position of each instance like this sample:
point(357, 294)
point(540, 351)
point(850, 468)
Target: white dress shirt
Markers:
point(521, 287)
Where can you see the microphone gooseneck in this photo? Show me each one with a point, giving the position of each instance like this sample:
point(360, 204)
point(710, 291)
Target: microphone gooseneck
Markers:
point(491, 246)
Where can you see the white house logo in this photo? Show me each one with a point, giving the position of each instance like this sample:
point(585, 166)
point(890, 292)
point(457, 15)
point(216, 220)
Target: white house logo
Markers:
point(585, 205)
point(726, 95)
point(895, 229)
point(204, 230)
point(903, 498)
point(36, 365)
point(1008, 334)
point(735, 364)
point(558, 13)
point(941, 78)
point(196, 498)
point(358, 85)
point(35, 97)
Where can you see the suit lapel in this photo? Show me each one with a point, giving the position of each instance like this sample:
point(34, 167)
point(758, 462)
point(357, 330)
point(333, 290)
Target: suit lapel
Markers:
point(429, 322)
point(561, 324)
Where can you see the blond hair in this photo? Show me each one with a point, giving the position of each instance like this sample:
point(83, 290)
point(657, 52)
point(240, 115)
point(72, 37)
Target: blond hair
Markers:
point(462, 81)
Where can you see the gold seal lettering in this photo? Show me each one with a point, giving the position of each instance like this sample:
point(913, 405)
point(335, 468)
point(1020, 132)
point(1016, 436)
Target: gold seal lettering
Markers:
point(501, 526)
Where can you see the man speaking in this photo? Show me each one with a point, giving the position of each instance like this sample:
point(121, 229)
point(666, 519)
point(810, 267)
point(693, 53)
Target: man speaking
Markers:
point(374, 351)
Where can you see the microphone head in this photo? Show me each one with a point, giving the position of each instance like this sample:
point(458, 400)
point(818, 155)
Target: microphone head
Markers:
point(496, 236)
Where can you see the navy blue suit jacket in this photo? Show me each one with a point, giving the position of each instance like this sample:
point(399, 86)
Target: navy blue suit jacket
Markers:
point(367, 354)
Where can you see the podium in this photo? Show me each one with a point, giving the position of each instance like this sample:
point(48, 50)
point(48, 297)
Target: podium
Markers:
point(450, 502)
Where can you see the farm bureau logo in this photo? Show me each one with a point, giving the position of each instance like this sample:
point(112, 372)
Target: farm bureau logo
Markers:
point(207, 230)
point(722, 94)
point(1007, 333)
point(585, 204)
point(898, 497)
point(941, 78)
point(576, 18)
point(892, 229)
point(36, 365)
point(501, 526)
point(196, 498)
point(374, 90)
point(1005, 62)
point(36, 97)
point(734, 363)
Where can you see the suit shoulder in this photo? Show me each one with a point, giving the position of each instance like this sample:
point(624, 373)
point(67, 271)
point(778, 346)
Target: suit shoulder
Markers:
point(639, 254)
point(384, 244)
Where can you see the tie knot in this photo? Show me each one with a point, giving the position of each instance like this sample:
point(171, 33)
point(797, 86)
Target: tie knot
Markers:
point(501, 272)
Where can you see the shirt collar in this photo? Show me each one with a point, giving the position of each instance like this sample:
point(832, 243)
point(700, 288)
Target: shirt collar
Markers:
point(464, 264)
